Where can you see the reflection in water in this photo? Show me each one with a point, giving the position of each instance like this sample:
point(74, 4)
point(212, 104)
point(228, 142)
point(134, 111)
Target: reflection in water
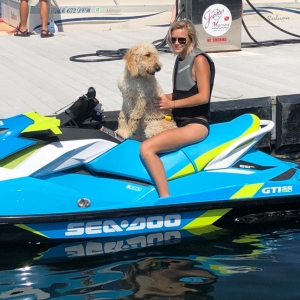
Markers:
point(167, 266)
point(166, 277)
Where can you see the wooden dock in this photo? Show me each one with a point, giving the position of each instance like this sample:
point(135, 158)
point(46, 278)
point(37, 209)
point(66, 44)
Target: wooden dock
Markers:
point(36, 74)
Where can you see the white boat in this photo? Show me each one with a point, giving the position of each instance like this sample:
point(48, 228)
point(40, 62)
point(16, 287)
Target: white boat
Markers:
point(93, 14)
point(111, 14)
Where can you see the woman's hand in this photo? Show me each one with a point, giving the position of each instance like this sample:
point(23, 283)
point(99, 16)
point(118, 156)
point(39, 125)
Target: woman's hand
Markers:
point(163, 102)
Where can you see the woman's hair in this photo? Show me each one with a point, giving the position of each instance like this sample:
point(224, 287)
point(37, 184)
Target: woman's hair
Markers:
point(191, 33)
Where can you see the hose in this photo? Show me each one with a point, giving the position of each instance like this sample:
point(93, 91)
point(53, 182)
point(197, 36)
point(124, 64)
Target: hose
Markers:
point(161, 44)
point(109, 55)
point(268, 42)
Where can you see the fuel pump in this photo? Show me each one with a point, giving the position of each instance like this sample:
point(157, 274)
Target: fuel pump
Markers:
point(218, 23)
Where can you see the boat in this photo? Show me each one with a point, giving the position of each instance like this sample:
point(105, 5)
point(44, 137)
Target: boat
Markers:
point(93, 15)
point(61, 179)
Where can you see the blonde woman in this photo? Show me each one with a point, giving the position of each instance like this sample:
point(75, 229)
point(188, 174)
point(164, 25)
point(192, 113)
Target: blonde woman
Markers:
point(193, 78)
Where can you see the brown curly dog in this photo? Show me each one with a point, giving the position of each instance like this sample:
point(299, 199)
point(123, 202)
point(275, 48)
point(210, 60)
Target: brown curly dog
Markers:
point(139, 119)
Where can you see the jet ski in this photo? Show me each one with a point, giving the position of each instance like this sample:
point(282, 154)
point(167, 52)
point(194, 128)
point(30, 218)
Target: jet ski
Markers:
point(62, 182)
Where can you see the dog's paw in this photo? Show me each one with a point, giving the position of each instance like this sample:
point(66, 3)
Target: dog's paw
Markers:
point(123, 133)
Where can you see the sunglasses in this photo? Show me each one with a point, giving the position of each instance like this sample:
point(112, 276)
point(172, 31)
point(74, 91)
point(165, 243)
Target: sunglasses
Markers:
point(181, 40)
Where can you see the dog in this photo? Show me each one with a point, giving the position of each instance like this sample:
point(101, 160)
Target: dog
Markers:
point(139, 119)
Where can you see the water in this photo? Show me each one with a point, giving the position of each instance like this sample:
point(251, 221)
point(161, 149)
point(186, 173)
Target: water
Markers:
point(252, 264)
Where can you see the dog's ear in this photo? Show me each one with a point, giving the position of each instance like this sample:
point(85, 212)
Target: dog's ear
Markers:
point(131, 63)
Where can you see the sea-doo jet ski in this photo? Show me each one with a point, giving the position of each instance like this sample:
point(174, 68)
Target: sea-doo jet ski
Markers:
point(60, 182)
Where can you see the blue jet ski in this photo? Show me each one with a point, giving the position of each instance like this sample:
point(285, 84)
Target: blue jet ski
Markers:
point(63, 183)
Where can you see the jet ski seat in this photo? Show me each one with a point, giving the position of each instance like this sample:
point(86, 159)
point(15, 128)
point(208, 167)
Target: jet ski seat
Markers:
point(124, 160)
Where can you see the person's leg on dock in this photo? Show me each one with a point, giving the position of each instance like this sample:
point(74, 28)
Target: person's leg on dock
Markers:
point(21, 30)
point(44, 12)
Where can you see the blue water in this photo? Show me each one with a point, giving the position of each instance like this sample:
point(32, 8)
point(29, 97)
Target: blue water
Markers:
point(261, 263)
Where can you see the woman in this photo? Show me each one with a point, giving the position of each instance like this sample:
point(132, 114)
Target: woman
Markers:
point(193, 78)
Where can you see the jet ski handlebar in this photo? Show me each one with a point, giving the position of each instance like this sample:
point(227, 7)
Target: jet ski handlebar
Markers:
point(81, 113)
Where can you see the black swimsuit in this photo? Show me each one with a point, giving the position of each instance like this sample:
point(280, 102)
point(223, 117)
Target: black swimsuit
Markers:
point(182, 123)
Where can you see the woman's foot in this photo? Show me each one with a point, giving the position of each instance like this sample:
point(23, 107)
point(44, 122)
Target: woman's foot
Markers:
point(46, 34)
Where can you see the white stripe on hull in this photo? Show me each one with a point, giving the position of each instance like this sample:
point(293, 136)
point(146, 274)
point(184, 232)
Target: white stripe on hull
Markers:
point(58, 156)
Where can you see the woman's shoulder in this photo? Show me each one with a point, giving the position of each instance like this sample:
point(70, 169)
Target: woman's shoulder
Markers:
point(202, 56)
point(201, 63)
point(201, 59)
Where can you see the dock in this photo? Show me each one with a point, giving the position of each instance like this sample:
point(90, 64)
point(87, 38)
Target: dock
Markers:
point(37, 74)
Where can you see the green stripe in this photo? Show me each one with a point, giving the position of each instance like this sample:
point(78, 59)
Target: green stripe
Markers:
point(25, 227)
point(16, 159)
point(208, 218)
point(247, 191)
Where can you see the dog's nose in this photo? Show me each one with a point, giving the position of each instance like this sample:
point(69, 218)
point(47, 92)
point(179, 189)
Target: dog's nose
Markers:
point(157, 68)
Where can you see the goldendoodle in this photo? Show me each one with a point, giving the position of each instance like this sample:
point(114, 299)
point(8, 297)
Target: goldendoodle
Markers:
point(139, 119)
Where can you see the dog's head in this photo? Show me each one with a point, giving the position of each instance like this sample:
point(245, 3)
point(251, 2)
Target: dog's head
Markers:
point(142, 59)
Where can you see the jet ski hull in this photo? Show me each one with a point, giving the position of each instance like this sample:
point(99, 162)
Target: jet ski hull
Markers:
point(196, 219)
point(80, 185)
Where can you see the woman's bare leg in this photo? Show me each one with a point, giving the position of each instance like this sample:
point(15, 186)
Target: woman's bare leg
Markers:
point(164, 141)
point(157, 170)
